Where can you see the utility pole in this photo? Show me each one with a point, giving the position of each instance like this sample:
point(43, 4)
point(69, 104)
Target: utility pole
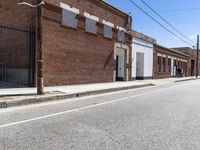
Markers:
point(197, 65)
point(40, 82)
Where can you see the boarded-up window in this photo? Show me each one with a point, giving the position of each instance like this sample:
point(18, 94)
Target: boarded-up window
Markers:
point(91, 26)
point(108, 31)
point(121, 36)
point(69, 19)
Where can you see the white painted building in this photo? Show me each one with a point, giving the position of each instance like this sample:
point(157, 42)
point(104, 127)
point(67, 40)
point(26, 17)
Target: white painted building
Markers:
point(142, 56)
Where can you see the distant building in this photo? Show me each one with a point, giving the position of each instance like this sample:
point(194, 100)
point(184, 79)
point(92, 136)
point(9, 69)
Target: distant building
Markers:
point(142, 56)
point(167, 61)
point(83, 41)
point(192, 59)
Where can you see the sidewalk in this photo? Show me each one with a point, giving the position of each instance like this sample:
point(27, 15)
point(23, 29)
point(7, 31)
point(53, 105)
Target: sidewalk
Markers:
point(24, 96)
point(73, 89)
point(168, 80)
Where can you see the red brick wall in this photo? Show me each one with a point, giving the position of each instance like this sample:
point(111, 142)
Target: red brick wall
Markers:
point(167, 52)
point(14, 42)
point(97, 8)
point(73, 56)
point(193, 56)
point(12, 14)
point(14, 22)
point(70, 56)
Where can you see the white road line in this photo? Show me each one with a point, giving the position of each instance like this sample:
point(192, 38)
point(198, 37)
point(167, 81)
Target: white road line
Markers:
point(82, 108)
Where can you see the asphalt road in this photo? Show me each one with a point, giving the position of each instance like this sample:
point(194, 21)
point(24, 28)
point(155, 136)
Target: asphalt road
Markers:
point(155, 118)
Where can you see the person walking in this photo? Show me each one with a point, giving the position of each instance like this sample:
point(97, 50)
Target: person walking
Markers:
point(179, 72)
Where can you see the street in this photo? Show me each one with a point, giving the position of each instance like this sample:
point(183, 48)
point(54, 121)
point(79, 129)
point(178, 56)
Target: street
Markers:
point(165, 117)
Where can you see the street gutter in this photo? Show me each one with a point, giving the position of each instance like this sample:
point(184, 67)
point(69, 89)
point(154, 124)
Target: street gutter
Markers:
point(21, 100)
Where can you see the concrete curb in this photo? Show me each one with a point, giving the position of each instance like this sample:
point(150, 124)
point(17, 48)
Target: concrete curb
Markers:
point(36, 100)
point(187, 80)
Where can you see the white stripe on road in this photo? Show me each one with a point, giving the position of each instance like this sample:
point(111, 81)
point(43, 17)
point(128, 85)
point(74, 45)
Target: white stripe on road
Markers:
point(82, 108)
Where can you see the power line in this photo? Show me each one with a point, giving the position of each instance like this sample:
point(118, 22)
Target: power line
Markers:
point(167, 22)
point(179, 10)
point(159, 23)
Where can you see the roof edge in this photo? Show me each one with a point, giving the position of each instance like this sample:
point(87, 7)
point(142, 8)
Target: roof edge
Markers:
point(171, 50)
point(143, 37)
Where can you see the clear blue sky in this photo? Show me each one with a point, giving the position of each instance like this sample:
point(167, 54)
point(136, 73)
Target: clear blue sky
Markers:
point(183, 14)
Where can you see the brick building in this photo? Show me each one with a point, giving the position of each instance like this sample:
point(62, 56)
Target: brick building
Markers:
point(17, 44)
point(82, 41)
point(192, 59)
point(166, 61)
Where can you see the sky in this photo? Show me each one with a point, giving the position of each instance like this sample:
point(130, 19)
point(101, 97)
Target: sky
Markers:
point(182, 14)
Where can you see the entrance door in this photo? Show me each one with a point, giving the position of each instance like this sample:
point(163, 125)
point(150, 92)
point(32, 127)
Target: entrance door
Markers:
point(172, 68)
point(120, 65)
point(139, 66)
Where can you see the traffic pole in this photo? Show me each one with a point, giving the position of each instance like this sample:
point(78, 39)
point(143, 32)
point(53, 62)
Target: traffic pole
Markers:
point(197, 64)
point(40, 82)
point(38, 36)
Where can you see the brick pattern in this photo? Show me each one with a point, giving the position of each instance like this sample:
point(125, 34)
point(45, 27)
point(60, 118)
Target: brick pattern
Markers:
point(14, 42)
point(193, 57)
point(167, 52)
point(72, 56)
point(143, 37)
point(12, 14)
point(97, 8)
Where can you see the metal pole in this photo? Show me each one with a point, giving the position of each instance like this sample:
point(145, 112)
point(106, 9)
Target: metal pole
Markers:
point(40, 83)
point(197, 65)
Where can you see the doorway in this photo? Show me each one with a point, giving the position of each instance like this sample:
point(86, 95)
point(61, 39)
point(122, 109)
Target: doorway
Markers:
point(139, 66)
point(192, 67)
point(120, 64)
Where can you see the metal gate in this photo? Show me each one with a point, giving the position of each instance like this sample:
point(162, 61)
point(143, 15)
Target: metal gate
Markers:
point(17, 56)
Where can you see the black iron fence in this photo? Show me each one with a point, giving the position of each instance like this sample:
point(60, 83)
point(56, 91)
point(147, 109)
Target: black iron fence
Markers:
point(17, 56)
